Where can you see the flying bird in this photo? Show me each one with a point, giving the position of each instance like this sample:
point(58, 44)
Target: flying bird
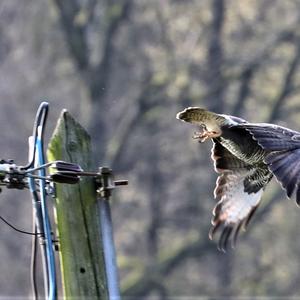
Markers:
point(246, 156)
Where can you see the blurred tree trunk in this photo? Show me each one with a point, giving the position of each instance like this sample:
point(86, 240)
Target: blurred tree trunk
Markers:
point(155, 195)
point(217, 103)
point(226, 273)
point(215, 57)
point(96, 76)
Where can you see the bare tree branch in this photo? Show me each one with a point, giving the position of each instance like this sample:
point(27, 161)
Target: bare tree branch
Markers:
point(100, 74)
point(246, 73)
point(75, 33)
point(244, 90)
point(135, 113)
point(96, 77)
point(250, 69)
point(287, 85)
point(91, 8)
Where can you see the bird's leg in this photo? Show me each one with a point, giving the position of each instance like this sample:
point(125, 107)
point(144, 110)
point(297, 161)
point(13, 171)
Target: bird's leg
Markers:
point(205, 134)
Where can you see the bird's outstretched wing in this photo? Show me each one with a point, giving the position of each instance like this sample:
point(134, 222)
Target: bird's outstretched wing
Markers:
point(238, 190)
point(273, 137)
point(283, 159)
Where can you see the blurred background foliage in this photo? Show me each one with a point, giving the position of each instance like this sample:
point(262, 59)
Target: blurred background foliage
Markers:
point(123, 69)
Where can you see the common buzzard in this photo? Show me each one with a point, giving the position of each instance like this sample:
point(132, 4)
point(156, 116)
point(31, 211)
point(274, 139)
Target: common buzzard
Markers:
point(246, 156)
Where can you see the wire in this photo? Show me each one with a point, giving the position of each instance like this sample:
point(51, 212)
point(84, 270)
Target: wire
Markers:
point(41, 224)
point(38, 177)
point(44, 166)
point(39, 124)
point(46, 222)
point(19, 230)
point(33, 260)
point(40, 119)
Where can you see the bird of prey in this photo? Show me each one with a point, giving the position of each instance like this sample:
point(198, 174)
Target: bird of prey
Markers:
point(246, 156)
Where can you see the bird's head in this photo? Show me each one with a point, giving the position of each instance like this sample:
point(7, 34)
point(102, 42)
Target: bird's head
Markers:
point(195, 115)
point(203, 118)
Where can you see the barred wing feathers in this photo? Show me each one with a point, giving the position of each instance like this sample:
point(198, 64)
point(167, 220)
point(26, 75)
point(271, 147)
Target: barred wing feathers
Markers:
point(238, 191)
point(283, 158)
point(273, 137)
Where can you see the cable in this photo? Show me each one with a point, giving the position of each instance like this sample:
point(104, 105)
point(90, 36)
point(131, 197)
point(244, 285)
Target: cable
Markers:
point(40, 216)
point(44, 166)
point(19, 230)
point(40, 119)
point(33, 261)
point(40, 122)
point(46, 222)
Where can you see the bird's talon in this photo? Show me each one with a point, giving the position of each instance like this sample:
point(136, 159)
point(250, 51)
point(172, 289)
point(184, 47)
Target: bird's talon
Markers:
point(200, 136)
point(203, 136)
point(197, 135)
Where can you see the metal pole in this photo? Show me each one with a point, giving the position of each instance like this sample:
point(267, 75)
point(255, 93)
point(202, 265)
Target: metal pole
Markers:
point(111, 268)
point(106, 185)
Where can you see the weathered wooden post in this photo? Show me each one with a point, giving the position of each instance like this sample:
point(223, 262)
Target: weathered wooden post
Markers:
point(77, 216)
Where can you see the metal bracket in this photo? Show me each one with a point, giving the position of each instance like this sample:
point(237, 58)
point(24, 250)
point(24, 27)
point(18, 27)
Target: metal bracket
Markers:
point(105, 182)
point(51, 189)
point(12, 175)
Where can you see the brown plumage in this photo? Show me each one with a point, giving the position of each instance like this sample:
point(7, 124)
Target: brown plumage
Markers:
point(245, 156)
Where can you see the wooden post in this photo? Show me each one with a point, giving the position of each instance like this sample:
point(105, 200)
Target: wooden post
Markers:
point(81, 253)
